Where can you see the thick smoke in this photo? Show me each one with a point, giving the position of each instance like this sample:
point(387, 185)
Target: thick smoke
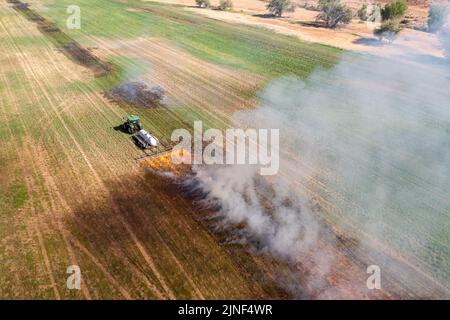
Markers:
point(275, 218)
point(365, 145)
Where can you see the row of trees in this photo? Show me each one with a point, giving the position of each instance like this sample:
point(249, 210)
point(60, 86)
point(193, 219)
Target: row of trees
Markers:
point(333, 12)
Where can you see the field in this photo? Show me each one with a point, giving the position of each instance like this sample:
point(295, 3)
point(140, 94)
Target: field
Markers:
point(71, 189)
point(302, 23)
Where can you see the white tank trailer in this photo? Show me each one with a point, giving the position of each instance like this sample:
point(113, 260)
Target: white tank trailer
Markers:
point(145, 140)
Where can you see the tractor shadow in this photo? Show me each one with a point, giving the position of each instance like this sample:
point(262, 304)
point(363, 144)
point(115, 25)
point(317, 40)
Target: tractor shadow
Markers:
point(311, 24)
point(371, 42)
point(264, 15)
point(121, 128)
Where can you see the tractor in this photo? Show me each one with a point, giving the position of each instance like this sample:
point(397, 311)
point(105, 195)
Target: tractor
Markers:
point(132, 124)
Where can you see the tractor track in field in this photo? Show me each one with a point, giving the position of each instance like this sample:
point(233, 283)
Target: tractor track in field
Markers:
point(89, 60)
point(52, 186)
point(68, 163)
point(57, 197)
point(86, 170)
point(149, 260)
point(182, 81)
point(101, 185)
point(37, 226)
point(97, 263)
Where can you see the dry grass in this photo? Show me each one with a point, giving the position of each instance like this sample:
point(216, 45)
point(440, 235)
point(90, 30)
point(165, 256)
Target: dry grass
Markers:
point(88, 202)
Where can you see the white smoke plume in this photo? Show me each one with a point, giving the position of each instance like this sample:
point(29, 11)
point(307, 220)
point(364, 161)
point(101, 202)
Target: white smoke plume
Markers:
point(274, 217)
point(365, 145)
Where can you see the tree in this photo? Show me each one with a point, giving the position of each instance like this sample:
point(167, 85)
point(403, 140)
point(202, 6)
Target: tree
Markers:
point(362, 12)
point(203, 3)
point(394, 10)
point(391, 15)
point(225, 4)
point(437, 15)
point(277, 7)
point(333, 12)
point(388, 30)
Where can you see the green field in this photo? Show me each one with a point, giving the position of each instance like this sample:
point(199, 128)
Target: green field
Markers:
point(72, 191)
point(231, 45)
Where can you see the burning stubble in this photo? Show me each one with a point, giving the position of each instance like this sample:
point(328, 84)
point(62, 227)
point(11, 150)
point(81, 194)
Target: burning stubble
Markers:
point(367, 143)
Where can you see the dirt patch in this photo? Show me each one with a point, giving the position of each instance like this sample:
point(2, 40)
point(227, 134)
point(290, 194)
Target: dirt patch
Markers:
point(137, 94)
point(357, 35)
point(63, 42)
point(193, 82)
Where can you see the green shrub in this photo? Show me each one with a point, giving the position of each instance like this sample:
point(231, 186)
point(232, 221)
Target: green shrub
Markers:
point(388, 30)
point(225, 5)
point(277, 7)
point(394, 10)
point(333, 12)
point(362, 13)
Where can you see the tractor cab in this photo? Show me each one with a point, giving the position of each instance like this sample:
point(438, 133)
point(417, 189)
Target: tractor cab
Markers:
point(132, 124)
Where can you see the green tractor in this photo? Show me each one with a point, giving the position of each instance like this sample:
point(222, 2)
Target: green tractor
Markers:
point(132, 124)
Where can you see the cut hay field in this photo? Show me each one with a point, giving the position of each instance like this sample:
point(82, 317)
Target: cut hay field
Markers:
point(71, 190)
